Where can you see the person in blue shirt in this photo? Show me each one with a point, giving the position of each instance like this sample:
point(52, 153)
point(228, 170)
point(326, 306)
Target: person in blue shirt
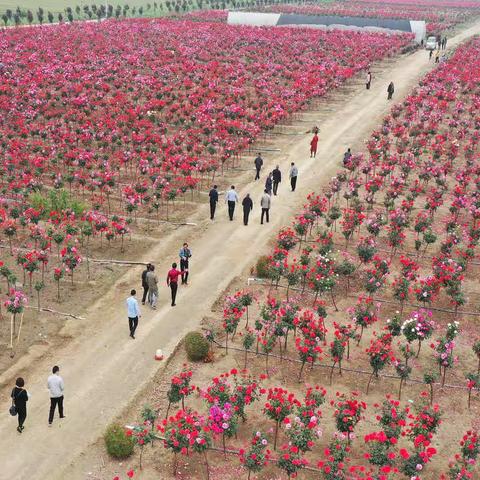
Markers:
point(133, 312)
point(184, 254)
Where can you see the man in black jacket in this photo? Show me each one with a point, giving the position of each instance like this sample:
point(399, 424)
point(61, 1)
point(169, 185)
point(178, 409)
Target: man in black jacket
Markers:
point(258, 166)
point(247, 204)
point(390, 90)
point(213, 201)
point(277, 178)
point(144, 282)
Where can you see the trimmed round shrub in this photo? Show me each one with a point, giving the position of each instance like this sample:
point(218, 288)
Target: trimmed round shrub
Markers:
point(197, 347)
point(263, 267)
point(118, 444)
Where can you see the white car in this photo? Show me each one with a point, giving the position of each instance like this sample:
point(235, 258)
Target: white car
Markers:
point(431, 43)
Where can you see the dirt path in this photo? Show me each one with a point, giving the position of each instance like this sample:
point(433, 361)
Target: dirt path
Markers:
point(103, 368)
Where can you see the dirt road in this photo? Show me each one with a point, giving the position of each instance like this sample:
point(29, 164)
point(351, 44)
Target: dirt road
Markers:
point(103, 368)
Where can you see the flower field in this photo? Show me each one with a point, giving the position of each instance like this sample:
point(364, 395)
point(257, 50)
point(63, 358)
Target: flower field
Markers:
point(105, 139)
point(358, 357)
point(100, 125)
point(162, 124)
point(439, 17)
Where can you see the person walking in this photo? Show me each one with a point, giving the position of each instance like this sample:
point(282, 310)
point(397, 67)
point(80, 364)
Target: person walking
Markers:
point(265, 203)
point(430, 55)
point(56, 387)
point(293, 176)
point(213, 195)
point(231, 198)
point(390, 90)
point(276, 179)
point(172, 281)
point(247, 204)
point(144, 283)
point(269, 184)
point(368, 80)
point(437, 56)
point(152, 282)
point(19, 400)
point(185, 254)
point(346, 157)
point(313, 146)
point(133, 313)
point(258, 162)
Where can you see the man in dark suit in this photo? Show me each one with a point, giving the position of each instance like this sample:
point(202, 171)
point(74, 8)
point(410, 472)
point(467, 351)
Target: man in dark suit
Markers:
point(258, 166)
point(144, 283)
point(277, 178)
point(213, 201)
point(247, 204)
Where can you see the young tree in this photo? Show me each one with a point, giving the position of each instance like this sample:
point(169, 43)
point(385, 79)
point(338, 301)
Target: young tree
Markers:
point(40, 15)
point(50, 17)
point(30, 16)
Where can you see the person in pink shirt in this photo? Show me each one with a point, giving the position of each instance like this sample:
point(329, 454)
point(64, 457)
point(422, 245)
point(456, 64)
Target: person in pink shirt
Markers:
point(172, 280)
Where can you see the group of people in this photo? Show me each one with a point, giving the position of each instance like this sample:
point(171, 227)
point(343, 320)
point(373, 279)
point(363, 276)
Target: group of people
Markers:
point(390, 87)
point(20, 397)
point(150, 287)
point(272, 182)
point(438, 58)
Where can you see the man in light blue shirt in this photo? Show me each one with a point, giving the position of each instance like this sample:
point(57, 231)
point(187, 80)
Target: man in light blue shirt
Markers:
point(133, 312)
point(231, 198)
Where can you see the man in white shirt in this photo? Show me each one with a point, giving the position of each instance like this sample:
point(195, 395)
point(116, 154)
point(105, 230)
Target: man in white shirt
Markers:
point(293, 176)
point(231, 198)
point(133, 312)
point(265, 204)
point(55, 386)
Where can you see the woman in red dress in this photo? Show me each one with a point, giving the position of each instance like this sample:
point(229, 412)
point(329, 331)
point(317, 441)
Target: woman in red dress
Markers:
point(313, 146)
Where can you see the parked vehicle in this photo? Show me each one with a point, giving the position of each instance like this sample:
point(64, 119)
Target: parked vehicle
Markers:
point(431, 43)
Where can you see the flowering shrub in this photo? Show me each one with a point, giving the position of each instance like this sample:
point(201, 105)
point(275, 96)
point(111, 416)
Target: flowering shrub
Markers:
point(222, 421)
point(364, 313)
point(380, 354)
point(257, 456)
point(347, 414)
point(280, 403)
point(179, 389)
point(418, 327)
point(185, 432)
point(16, 301)
point(291, 460)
